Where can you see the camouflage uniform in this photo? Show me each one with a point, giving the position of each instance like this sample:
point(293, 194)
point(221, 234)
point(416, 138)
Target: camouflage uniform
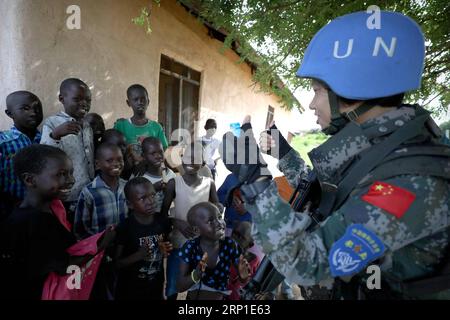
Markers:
point(415, 243)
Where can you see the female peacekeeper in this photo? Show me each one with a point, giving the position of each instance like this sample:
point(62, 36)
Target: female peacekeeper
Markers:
point(384, 176)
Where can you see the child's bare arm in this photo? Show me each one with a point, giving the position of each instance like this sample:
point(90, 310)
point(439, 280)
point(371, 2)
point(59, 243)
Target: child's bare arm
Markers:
point(186, 278)
point(122, 262)
point(69, 127)
point(213, 198)
point(168, 198)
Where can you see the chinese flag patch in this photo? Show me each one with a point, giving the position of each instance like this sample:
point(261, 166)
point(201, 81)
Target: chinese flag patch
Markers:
point(392, 199)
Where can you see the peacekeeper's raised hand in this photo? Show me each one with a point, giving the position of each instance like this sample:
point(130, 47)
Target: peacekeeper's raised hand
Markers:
point(241, 154)
point(273, 143)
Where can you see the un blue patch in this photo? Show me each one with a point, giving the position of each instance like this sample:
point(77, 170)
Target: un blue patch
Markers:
point(354, 251)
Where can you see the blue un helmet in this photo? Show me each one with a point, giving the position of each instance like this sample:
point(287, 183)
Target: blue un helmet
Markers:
point(361, 61)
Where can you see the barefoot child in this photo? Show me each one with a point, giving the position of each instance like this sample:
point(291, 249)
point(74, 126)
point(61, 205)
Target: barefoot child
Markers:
point(206, 260)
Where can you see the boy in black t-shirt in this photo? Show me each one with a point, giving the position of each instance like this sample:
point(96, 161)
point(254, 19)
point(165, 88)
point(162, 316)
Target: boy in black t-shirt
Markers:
point(141, 246)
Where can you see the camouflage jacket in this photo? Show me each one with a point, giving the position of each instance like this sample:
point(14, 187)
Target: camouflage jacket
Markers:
point(415, 241)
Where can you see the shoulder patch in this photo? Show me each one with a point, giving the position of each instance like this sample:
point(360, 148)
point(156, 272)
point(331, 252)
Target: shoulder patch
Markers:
point(354, 251)
point(393, 199)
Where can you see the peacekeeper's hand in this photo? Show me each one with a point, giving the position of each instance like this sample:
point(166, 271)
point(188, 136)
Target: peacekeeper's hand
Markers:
point(266, 142)
point(241, 154)
point(273, 143)
point(69, 127)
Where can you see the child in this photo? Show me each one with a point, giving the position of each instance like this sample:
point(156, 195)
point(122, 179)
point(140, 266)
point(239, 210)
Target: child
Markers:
point(153, 170)
point(211, 145)
point(37, 235)
point(141, 245)
point(25, 109)
point(139, 126)
point(235, 210)
point(185, 191)
point(242, 235)
point(101, 205)
point(97, 125)
point(67, 131)
point(102, 202)
point(116, 137)
point(206, 260)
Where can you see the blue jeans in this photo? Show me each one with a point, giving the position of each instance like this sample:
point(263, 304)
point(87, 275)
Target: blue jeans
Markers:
point(173, 269)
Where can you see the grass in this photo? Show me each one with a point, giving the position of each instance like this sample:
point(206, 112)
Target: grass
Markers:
point(306, 142)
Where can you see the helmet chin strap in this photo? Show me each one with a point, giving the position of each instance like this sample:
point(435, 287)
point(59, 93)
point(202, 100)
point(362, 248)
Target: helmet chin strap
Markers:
point(339, 120)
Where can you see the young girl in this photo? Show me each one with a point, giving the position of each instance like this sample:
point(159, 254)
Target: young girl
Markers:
point(153, 170)
point(207, 259)
point(38, 235)
point(141, 245)
point(185, 191)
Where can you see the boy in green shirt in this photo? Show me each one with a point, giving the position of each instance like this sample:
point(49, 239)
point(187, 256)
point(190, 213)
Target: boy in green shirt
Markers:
point(138, 127)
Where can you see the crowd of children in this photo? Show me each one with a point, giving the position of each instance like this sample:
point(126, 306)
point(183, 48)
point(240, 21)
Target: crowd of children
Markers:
point(113, 189)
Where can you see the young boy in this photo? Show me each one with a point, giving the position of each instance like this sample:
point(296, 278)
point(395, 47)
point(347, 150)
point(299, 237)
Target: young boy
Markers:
point(141, 245)
point(116, 137)
point(102, 202)
point(139, 126)
point(153, 170)
point(67, 131)
point(211, 145)
point(101, 205)
point(97, 125)
point(37, 236)
point(185, 191)
point(206, 260)
point(25, 109)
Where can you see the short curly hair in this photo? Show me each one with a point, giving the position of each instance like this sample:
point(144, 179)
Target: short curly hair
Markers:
point(132, 183)
point(34, 158)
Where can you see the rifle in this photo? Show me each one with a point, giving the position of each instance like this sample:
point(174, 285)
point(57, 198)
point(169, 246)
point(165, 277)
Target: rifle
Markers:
point(266, 277)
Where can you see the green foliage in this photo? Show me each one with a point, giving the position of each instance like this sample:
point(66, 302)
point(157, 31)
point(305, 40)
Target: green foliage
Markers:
point(280, 30)
point(304, 143)
point(143, 20)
